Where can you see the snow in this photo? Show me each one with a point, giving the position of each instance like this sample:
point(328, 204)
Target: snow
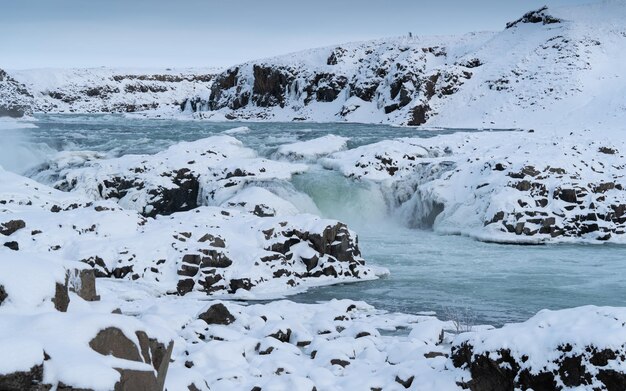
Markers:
point(312, 149)
point(95, 90)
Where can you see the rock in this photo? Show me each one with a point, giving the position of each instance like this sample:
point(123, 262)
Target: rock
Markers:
point(419, 115)
point(217, 314)
point(3, 294)
point(12, 245)
point(497, 363)
point(405, 383)
point(134, 380)
point(537, 16)
point(185, 286)
point(214, 241)
point(24, 381)
point(61, 297)
point(341, 363)
point(270, 85)
point(282, 336)
point(83, 283)
point(215, 258)
point(12, 226)
point(112, 341)
point(240, 283)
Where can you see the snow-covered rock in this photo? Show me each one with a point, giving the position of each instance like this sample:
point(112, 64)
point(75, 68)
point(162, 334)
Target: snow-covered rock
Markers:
point(579, 348)
point(208, 171)
point(501, 186)
point(209, 249)
point(110, 90)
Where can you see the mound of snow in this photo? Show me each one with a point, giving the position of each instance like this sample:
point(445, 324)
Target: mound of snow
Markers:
point(312, 149)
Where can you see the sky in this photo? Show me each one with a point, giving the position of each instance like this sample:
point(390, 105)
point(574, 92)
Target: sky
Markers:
point(196, 33)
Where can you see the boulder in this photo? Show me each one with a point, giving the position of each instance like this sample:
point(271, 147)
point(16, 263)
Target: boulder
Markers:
point(217, 314)
point(112, 341)
point(12, 226)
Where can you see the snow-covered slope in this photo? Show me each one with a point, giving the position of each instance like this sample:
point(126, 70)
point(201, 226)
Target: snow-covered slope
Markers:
point(552, 67)
point(103, 90)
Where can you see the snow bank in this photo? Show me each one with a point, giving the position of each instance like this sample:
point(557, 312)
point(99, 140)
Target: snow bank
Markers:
point(312, 149)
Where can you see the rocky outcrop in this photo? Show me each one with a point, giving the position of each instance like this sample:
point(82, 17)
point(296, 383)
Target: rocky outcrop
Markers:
point(15, 99)
point(102, 90)
point(210, 249)
point(537, 16)
point(379, 75)
point(564, 355)
point(291, 254)
point(572, 191)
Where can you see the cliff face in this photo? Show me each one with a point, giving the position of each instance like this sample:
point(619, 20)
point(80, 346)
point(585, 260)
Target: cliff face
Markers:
point(108, 90)
point(548, 67)
point(15, 100)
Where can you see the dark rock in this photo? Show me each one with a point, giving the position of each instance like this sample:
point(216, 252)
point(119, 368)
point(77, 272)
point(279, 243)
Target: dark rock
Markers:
point(10, 227)
point(3, 294)
point(405, 383)
point(112, 341)
point(214, 241)
point(607, 150)
point(134, 380)
point(342, 363)
point(537, 16)
point(270, 85)
point(12, 245)
point(217, 314)
point(214, 258)
point(419, 115)
point(335, 56)
point(61, 297)
point(24, 381)
point(499, 370)
point(240, 283)
point(567, 195)
point(282, 336)
point(185, 286)
point(311, 263)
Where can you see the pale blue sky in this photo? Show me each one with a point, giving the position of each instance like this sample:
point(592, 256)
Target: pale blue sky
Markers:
point(144, 33)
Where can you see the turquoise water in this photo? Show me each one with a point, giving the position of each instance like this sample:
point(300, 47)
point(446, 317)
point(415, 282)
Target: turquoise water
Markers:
point(429, 272)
